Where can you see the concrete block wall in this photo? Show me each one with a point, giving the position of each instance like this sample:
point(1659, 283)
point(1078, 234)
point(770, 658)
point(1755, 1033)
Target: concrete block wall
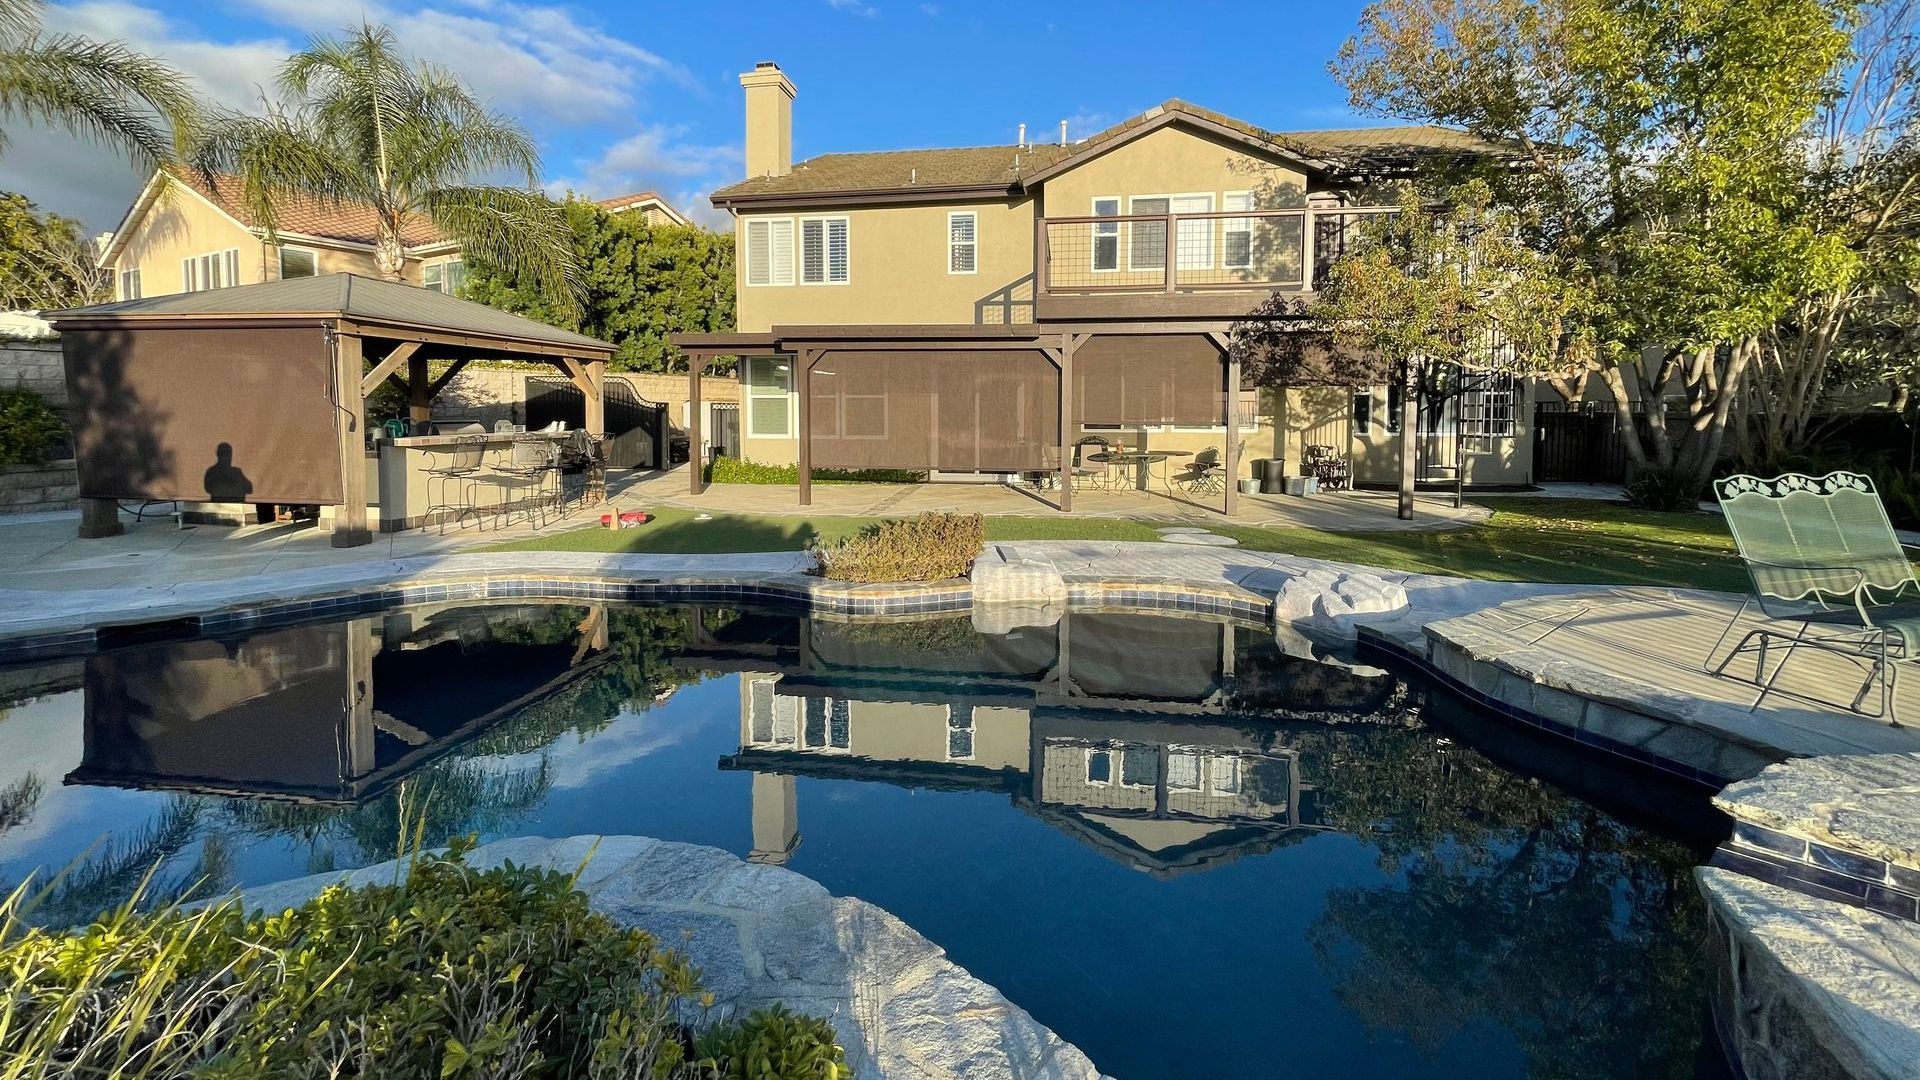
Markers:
point(485, 395)
point(37, 366)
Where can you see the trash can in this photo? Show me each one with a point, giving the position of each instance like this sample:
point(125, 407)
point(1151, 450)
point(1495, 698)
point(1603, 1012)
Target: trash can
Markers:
point(1273, 476)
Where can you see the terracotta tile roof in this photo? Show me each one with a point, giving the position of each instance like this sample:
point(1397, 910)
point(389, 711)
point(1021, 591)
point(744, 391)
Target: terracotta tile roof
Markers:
point(1359, 149)
point(349, 222)
point(639, 198)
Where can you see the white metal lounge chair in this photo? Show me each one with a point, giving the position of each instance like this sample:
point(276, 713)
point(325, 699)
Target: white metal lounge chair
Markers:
point(1829, 572)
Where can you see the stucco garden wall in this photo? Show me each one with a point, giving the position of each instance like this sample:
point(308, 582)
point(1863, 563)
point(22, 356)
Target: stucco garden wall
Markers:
point(37, 366)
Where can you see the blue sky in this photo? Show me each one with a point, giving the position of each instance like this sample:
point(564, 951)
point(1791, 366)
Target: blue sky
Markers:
point(625, 97)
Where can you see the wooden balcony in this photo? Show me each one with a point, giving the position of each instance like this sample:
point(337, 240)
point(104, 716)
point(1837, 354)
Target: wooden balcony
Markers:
point(1220, 264)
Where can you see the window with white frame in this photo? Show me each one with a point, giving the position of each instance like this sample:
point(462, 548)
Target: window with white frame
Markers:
point(1183, 770)
point(963, 242)
point(1363, 409)
point(1140, 766)
point(769, 255)
point(1106, 235)
point(769, 397)
point(214, 270)
point(1224, 775)
point(1236, 250)
point(446, 276)
point(828, 726)
point(130, 284)
point(298, 263)
point(1099, 766)
point(1193, 238)
point(1486, 408)
point(823, 251)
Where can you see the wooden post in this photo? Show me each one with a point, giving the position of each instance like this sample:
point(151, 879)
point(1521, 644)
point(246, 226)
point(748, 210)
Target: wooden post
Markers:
point(419, 389)
point(1172, 270)
point(1067, 343)
point(350, 431)
point(695, 455)
point(803, 361)
point(357, 757)
point(1232, 500)
point(596, 397)
point(1409, 420)
point(1306, 248)
point(100, 517)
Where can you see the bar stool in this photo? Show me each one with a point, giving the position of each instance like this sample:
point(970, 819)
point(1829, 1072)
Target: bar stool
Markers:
point(531, 464)
point(460, 472)
point(584, 455)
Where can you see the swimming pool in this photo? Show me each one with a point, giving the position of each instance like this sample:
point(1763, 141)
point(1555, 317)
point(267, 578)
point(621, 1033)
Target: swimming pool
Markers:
point(1185, 851)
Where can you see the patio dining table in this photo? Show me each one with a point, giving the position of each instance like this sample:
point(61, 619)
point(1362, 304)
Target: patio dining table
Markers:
point(1142, 462)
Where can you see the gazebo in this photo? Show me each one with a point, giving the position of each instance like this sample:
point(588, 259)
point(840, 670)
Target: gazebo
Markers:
point(257, 393)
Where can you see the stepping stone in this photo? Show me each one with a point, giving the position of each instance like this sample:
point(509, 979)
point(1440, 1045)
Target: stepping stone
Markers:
point(1203, 539)
point(1184, 530)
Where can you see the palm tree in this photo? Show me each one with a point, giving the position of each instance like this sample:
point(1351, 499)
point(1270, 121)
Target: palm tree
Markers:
point(366, 124)
point(99, 90)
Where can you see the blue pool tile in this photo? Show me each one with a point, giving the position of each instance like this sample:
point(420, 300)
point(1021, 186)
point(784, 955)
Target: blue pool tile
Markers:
point(1846, 862)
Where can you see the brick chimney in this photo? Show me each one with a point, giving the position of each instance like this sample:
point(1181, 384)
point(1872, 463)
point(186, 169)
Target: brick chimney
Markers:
point(769, 120)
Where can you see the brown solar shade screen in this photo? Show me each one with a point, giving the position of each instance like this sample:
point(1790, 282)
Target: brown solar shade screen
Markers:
point(1148, 379)
point(982, 410)
point(238, 414)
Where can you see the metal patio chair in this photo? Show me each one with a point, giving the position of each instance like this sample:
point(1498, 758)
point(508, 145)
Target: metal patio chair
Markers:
point(1091, 474)
point(1205, 474)
point(458, 475)
point(1823, 560)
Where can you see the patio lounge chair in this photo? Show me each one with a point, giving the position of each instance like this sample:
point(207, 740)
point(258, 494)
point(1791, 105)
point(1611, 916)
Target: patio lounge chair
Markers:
point(1824, 561)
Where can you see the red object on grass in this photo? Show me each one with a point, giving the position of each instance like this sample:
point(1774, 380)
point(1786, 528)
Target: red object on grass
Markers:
point(628, 519)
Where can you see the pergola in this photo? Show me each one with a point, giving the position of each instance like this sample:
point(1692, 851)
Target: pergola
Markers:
point(1059, 344)
point(265, 387)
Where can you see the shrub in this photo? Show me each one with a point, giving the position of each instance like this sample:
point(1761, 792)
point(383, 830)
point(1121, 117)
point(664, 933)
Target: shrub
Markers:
point(453, 972)
point(1667, 490)
point(28, 427)
point(772, 1043)
point(728, 470)
point(927, 548)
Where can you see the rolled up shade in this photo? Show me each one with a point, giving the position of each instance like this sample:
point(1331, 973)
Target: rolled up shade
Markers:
point(1149, 379)
point(958, 410)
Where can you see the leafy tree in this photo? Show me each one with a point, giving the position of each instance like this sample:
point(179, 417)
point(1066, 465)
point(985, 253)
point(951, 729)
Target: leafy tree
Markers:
point(1660, 142)
point(46, 261)
point(367, 124)
point(103, 91)
point(640, 283)
point(1433, 299)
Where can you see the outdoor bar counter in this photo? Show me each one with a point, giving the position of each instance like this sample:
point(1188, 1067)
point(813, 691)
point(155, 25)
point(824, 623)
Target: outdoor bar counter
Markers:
point(407, 489)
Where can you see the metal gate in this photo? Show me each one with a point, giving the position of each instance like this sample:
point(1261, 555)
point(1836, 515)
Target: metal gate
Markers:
point(723, 428)
point(636, 427)
point(1579, 443)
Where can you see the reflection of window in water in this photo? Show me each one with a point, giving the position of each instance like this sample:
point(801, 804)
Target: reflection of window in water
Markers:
point(773, 718)
point(1183, 771)
point(1140, 766)
point(1226, 775)
point(959, 733)
point(828, 726)
point(1099, 767)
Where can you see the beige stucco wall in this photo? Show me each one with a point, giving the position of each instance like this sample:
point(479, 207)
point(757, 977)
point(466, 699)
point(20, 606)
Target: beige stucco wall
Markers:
point(1173, 161)
point(897, 270)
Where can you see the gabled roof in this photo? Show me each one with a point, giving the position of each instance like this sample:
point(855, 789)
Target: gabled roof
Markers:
point(346, 296)
point(640, 199)
point(300, 216)
point(1010, 170)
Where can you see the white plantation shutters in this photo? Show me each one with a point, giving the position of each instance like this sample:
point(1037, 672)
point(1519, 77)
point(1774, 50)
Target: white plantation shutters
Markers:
point(963, 243)
point(215, 270)
point(769, 251)
point(823, 251)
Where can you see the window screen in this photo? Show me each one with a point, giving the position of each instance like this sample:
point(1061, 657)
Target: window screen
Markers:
point(297, 263)
point(962, 243)
point(823, 251)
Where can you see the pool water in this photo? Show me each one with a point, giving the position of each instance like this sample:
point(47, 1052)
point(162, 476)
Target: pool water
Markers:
point(1188, 853)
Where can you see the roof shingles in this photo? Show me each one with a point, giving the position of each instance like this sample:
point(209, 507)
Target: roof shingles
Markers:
point(345, 221)
point(976, 167)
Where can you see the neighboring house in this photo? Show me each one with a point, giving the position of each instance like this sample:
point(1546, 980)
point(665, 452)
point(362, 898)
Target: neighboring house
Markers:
point(921, 285)
point(183, 234)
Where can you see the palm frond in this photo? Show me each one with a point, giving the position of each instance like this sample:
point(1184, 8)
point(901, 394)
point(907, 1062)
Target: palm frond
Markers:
point(511, 227)
point(278, 157)
point(19, 18)
point(99, 90)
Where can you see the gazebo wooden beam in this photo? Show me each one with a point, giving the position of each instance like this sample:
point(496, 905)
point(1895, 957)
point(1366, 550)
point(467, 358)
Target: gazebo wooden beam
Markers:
point(349, 423)
point(588, 377)
point(389, 365)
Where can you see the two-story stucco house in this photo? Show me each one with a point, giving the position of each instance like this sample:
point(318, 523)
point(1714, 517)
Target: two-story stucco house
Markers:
point(980, 310)
point(184, 233)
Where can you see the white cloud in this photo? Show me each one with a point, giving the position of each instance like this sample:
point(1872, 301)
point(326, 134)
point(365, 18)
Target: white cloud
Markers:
point(658, 158)
point(854, 7)
point(522, 57)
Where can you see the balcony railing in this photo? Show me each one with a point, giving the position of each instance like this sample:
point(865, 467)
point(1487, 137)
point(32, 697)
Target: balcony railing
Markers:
point(1228, 250)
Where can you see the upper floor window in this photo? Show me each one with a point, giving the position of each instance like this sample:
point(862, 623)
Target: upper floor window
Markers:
point(215, 270)
point(130, 284)
point(1487, 406)
point(1236, 252)
point(1106, 235)
point(298, 262)
point(963, 242)
point(769, 255)
point(823, 251)
point(448, 276)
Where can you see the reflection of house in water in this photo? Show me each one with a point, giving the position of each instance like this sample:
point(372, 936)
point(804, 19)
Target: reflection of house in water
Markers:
point(1162, 742)
point(334, 713)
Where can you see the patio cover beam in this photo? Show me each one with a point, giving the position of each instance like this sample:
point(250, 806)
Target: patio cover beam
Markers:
point(349, 424)
point(388, 366)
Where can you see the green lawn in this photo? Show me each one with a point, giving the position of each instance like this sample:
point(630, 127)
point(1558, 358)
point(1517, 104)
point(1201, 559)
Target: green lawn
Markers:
point(1559, 540)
